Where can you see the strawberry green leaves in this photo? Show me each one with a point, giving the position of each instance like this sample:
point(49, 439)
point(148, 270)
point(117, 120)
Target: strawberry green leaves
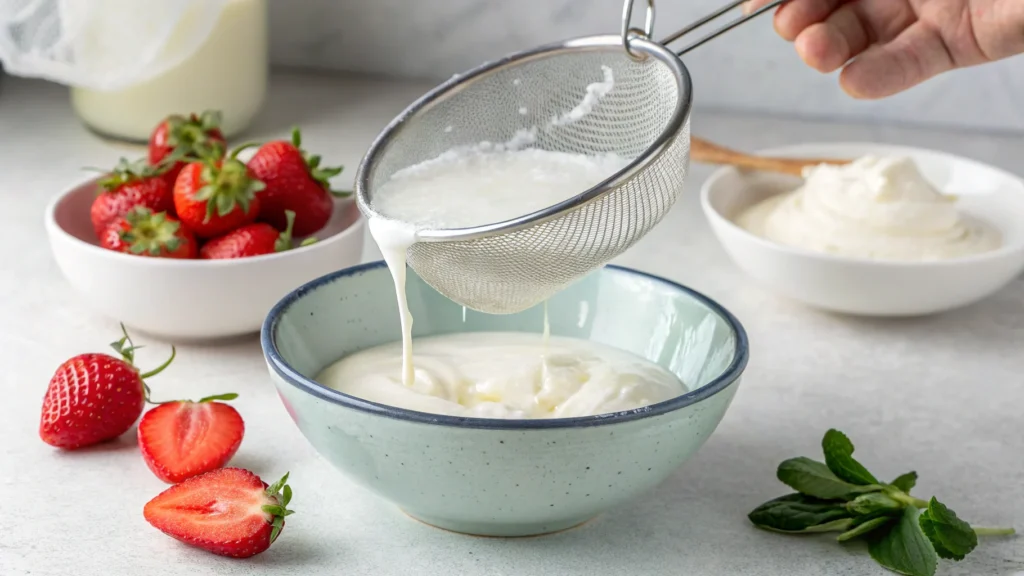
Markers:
point(905, 534)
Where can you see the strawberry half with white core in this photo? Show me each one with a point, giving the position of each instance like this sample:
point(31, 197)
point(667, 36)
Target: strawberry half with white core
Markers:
point(229, 512)
point(182, 439)
point(95, 397)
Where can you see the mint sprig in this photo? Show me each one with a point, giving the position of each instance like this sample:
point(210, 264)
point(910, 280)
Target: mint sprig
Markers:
point(905, 534)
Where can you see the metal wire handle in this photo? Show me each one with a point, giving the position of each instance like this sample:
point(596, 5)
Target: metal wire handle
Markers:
point(628, 31)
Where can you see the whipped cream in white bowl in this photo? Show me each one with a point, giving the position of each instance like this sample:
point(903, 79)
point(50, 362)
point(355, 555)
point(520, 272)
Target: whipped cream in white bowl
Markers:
point(901, 232)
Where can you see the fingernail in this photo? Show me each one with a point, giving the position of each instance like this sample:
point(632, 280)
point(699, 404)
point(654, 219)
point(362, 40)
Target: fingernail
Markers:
point(747, 8)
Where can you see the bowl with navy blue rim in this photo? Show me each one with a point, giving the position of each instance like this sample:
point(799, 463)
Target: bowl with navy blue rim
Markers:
point(505, 477)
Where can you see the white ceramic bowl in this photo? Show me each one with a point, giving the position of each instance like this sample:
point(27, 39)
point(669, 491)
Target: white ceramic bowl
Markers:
point(866, 287)
point(190, 299)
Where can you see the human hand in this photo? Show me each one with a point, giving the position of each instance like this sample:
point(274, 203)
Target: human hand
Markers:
point(887, 46)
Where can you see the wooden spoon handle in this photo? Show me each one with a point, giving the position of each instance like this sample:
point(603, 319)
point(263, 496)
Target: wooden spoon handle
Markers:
point(703, 151)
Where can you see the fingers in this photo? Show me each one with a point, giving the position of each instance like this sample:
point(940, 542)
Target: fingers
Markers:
point(794, 16)
point(886, 69)
point(827, 46)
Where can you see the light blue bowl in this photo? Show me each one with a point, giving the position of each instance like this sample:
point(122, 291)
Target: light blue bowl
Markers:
point(505, 477)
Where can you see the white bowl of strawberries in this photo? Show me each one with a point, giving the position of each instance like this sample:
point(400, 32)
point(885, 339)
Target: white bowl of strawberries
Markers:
point(192, 242)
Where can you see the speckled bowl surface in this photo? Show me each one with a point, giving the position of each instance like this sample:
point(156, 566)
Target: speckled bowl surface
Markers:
point(505, 477)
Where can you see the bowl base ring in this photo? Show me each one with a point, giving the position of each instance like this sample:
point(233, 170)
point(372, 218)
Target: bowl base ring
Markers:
point(497, 530)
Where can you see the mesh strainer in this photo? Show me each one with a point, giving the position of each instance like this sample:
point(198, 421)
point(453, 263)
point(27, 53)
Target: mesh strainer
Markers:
point(510, 266)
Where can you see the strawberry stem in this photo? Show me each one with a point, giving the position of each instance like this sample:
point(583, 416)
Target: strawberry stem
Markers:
point(280, 510)
point(227, 187)
point(150, 233)
point(247, 145)
point(284, 240)
point(190, 137)
point(161, 367)
point(127, 354)
point(340, 193)
point(224, 397)
point(129, 171)
point(321, 175)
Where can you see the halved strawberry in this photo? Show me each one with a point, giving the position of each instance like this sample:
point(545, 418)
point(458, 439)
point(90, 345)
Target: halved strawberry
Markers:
point(182, 439)
point(230, 512)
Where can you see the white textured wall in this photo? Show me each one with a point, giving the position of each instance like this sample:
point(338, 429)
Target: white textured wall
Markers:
point(749, 69)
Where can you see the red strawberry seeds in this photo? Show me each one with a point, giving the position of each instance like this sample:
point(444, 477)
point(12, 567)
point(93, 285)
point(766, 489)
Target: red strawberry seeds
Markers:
point(295, 182)
point(128, 185)
point(252, 240)
point(95, 397)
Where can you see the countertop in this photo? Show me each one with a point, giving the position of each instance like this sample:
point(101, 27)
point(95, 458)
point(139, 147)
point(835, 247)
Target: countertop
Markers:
point(941, 395)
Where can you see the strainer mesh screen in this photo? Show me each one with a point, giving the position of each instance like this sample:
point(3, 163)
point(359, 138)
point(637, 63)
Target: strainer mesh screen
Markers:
point(512, 271)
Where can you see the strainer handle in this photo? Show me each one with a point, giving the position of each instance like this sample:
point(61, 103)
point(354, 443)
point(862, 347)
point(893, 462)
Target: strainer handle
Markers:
point(628, 31)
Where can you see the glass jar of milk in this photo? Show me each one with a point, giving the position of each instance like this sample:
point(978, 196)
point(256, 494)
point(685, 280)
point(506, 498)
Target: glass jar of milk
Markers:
point(228, 73)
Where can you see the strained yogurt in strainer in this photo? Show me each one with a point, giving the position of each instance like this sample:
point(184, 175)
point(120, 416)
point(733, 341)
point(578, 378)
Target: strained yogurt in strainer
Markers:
point(473, 187)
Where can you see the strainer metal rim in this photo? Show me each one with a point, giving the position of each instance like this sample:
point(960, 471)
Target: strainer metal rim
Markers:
point(386, 138)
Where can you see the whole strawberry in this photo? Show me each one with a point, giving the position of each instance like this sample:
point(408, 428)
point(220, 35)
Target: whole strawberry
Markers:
point(145, 233)
point(95, 397)
point(182, 439)
point(128, 185)
point(213, 197)
point(180, 139)
point(229, 511)
point(251, 240)
point(295, 181)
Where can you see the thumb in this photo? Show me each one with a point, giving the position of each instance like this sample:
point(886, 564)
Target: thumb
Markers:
point(914, 56)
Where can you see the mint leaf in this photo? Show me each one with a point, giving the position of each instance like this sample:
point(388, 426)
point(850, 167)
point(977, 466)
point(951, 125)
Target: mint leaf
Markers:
point(904, 548)
point(864, 528)
point(905, 482)
point(839, 459)
point(800, 513)
point(813, 478)
point(952, 537)
point(873, 504)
